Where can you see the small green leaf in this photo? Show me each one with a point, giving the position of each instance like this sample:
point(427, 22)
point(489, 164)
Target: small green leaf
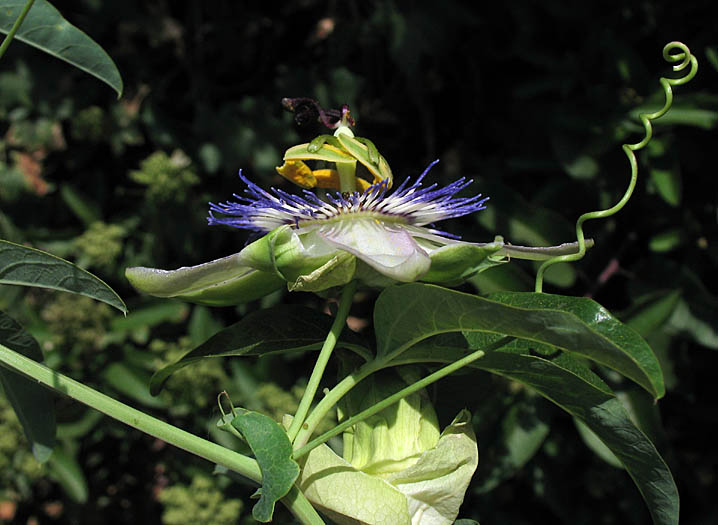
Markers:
point(273, 451)
point(519, 436)
point(30, 267)
point(593, 442)
point(131, 383)
point(407, 314)
point(507, 277)
point(712, 56)
point(151, 315)
point(284, 328)
point(46, 29)
point(650, 311)
point(67, 472)
point(668, 183)
point(688, 116)
point(32, 403)
point(666, 241)
point(83, 208)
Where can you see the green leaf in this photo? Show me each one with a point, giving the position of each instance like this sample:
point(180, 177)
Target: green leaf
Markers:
point(593, 442)
point(564, 382)
point(151, 315)
point(30, 267)
point(83, 208)
point(667, 240)
point(701, 118)
point(606, 417)
point(273, 452)
point(284, 328)
point(650, 311)
point(67, 472)
point(46, 29)
point(520, 434)
point(669, 185)
point(507, 277)
point(131, 383)
point(32, 403)
point(407, 314)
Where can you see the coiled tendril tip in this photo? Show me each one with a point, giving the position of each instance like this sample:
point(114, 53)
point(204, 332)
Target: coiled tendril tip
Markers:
point(684, 56)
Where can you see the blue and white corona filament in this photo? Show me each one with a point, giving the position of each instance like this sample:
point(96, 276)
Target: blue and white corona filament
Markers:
point(411, 204)
point(383, 228)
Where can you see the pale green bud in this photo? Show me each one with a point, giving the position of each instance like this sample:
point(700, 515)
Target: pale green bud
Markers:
point(393, 439)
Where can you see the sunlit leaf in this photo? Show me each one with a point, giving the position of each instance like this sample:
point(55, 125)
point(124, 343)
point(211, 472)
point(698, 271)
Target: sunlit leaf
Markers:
point(407, 314)
point(273, 451)
point(46, 29)
point(31, 267)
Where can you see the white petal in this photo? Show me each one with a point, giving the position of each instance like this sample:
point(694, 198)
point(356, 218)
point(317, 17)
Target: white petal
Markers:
point(387, 248)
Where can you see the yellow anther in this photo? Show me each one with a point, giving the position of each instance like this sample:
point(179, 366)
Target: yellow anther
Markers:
point(302, 175)
point(298, 172)
point(328, 179)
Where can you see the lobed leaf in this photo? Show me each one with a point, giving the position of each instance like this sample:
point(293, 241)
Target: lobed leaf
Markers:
point(46, 29)
point(31, 267)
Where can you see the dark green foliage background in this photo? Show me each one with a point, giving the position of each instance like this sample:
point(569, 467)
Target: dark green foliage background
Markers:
point(530, 99)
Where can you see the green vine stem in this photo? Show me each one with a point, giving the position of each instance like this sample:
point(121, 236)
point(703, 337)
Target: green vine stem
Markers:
point(11, 34)
point(248, 467)
point(332, 397)
point(330, 342)
point(384, 403)
point(685, 58)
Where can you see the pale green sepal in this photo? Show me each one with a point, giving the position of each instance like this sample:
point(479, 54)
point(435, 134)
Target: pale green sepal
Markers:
point(260, 253)
point(348, 496)
point(455, 263)
point(338, 271)
point(221, 282)
point(435, 485)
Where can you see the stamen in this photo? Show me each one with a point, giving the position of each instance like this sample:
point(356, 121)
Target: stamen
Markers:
point(410, 204)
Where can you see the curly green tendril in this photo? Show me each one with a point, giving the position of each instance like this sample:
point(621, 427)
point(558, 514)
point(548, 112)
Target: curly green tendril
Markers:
point(684, 57)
